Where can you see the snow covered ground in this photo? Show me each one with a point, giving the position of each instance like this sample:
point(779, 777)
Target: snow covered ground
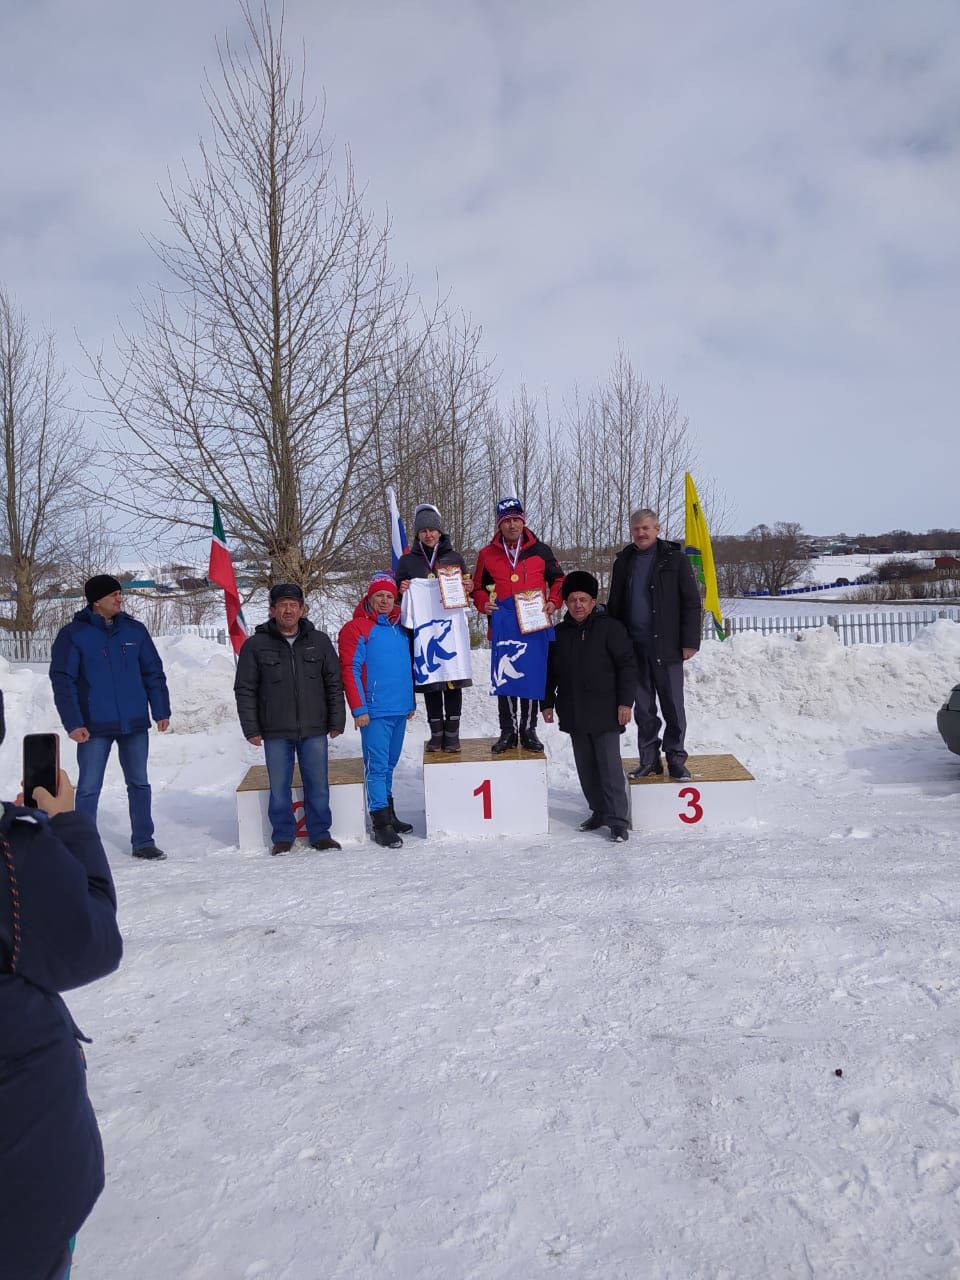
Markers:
point(549, 1057)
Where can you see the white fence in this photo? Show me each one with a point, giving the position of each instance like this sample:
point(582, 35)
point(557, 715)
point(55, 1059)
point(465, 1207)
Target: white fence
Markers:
point(25, 646)
point(852, 628)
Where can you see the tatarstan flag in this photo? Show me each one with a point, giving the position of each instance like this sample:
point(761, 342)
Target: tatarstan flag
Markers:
point(221, 573)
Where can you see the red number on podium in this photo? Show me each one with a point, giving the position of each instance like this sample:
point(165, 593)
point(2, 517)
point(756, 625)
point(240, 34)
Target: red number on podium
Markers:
point(301, 817)
point(484, 791)
point(692, 797)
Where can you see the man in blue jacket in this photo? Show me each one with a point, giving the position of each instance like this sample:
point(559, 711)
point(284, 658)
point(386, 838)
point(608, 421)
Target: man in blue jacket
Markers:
point(58, 931)
point(107, 678)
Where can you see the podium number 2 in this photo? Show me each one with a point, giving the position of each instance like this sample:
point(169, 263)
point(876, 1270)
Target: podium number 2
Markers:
point(301, 817)
point(484, 791)
point(692, 797)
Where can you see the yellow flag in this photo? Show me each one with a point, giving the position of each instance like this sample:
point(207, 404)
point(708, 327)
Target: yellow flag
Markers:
point(701, 554)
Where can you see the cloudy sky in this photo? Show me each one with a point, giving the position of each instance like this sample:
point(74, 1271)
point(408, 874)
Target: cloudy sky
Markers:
point(759, 200)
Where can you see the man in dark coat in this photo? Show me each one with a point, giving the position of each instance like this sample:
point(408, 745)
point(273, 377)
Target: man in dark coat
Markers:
point(654, 593)
point(591, 677)
point(107, 679)
point(58, 931)
point(290, 700)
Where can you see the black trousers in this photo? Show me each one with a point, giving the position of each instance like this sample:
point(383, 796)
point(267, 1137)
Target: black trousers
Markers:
point(659, 682)
point(443, 703)
point(602, 780)
point(509, 720)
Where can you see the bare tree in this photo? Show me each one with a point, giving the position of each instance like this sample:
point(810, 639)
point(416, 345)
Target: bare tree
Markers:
point(268, 365)
point(43, 462)
point(431, 445)
point(776, 556)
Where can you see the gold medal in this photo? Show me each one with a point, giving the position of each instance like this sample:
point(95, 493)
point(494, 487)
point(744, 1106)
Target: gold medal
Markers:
point(514, 577)
point(431, 575)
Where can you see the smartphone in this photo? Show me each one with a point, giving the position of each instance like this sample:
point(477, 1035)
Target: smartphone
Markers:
point(41, 764)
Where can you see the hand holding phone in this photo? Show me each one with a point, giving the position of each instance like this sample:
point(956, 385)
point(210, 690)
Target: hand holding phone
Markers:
point(60, 802)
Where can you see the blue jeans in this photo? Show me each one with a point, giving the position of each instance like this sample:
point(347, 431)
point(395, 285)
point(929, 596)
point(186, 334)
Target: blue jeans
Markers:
point(92, 757)
point(381, 742)
point(312, 755)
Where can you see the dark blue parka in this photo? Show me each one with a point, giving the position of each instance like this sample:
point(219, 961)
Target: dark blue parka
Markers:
point(107, 679)
point(58, 930)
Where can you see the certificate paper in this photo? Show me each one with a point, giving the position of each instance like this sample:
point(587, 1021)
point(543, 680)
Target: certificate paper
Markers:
point(450, 580)
point(531, 615)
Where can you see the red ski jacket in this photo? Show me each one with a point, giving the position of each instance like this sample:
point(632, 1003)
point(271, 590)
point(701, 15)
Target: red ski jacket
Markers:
point(536, 568)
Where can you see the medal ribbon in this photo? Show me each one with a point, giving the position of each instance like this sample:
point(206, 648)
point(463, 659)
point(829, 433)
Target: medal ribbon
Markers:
point(512, 556)
point(423, 552)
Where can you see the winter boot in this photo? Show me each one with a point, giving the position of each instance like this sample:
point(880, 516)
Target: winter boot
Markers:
point(529, 740)
point(593, 823)
point(149, 852)
point(648, 769)
point(401, 827)
point(451, 734)
point(677, 768)
point(506, 742)
point(384, 831)
point(435, 741)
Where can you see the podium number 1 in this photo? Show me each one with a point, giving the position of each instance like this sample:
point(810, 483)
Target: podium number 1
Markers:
point(484, 791)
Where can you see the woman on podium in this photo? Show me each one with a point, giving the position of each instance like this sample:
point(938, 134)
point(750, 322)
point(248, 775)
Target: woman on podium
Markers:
point(431, 551)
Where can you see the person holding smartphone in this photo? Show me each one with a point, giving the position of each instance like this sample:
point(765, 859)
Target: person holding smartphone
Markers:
point(58, 931)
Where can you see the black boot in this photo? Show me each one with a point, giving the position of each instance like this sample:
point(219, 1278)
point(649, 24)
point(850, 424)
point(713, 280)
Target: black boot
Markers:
point(402, 827)
point(384, 831)
point(648, 769)
point(435, 741)
point(451, 734)
point(529, 740)
point(677, 768)
point(506, 742)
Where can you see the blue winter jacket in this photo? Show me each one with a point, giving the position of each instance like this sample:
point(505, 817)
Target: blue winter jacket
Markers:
point(58, 930)
point(107, 679)
point(376, 664)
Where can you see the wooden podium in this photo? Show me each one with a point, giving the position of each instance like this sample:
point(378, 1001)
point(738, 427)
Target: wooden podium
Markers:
point(475, 793)
point(348, 804)
point(719, 793)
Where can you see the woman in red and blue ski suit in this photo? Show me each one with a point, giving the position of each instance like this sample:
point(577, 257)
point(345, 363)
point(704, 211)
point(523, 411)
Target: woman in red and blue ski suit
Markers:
point(377, 669)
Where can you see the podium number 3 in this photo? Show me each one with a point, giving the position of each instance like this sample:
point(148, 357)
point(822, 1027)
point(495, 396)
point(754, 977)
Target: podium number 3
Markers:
point(692, 797)
point(484, 791)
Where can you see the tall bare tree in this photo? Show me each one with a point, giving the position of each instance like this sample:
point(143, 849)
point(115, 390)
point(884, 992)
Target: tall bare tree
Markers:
point(43, 462)
point(281, 343)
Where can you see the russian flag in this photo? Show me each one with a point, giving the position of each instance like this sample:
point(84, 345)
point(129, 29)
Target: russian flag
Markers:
point(398, 535)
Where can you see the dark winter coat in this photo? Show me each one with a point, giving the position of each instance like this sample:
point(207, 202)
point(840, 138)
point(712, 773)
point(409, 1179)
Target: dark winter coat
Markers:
point(51, 1159)
point(677, 617)
point(289, 690)
point(107, 679)
point(376, 662)
point(591, 671)
point(415, 564)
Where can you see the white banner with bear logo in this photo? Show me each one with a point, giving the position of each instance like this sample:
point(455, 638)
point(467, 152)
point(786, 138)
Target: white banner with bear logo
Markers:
point(441, 637)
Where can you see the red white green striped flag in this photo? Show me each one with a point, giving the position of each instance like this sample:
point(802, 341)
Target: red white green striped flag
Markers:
point(221, 572)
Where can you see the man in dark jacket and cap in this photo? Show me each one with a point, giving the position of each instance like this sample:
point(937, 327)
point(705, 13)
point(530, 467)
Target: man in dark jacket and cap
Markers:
point(58, 931)
point(654, 593)
point(290, 700)
point(107, 680)
point(591, 675)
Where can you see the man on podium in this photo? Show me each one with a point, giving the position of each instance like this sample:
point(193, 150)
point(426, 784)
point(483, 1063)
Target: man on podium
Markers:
point(654, 593)
point(515, 561)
